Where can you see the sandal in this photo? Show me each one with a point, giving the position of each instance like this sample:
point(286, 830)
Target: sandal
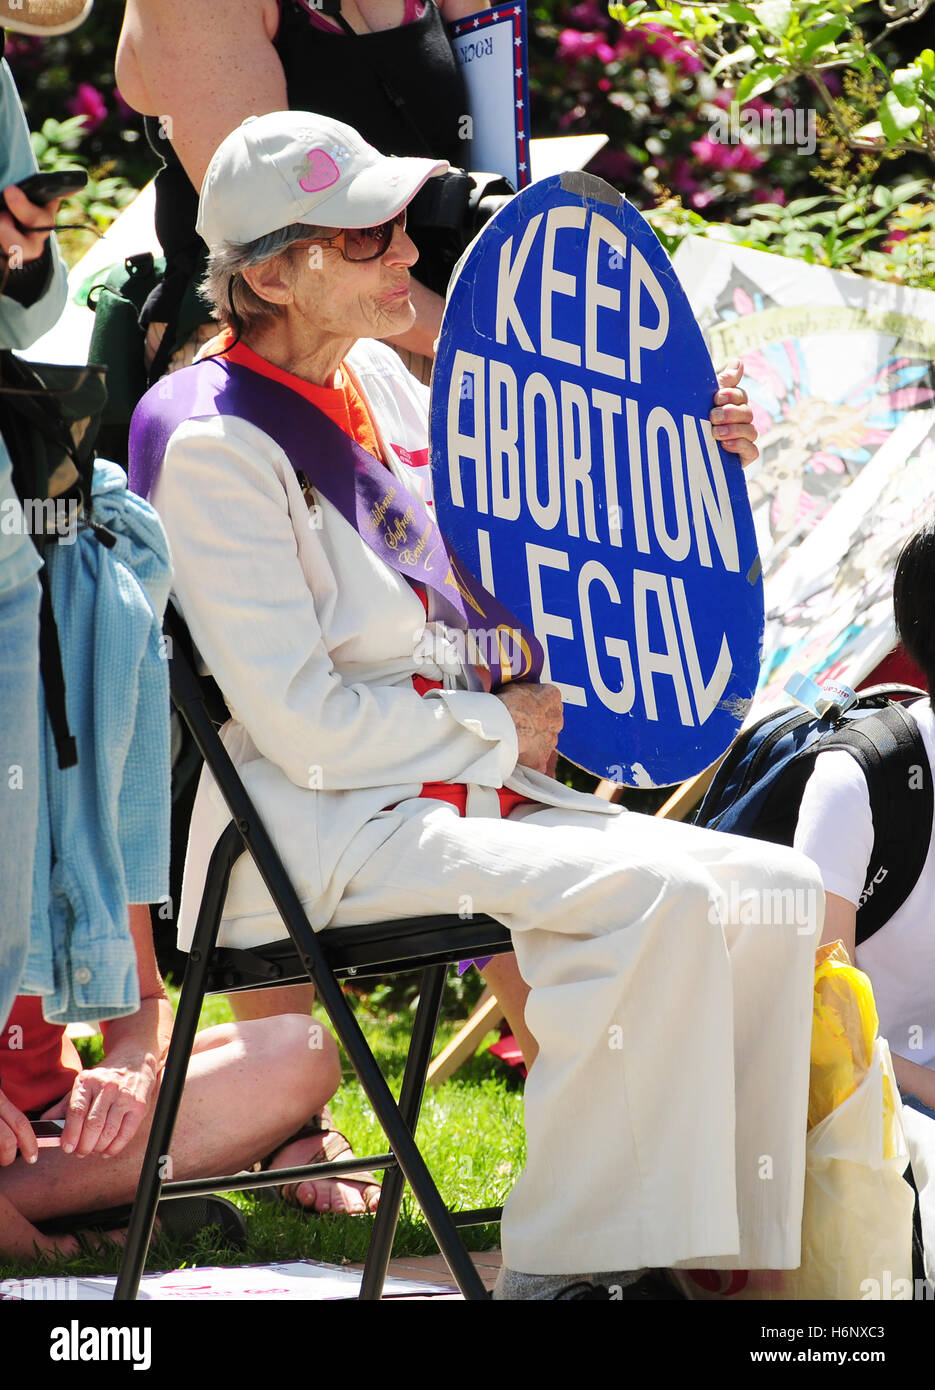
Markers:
point(178, 1217)
point(334, 1146)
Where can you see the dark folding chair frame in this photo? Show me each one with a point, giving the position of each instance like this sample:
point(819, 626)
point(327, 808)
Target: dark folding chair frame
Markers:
point(426, 944)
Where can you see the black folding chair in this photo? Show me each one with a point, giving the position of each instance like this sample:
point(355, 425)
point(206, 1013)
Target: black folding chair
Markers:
point(426, 944)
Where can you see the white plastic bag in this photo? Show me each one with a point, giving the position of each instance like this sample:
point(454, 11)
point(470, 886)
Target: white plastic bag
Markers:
point(857, 1215)
point(857, 1212)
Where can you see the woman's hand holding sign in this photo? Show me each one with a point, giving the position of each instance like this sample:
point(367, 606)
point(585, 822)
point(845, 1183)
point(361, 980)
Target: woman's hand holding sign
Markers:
point(732, 417)
point(536, 710)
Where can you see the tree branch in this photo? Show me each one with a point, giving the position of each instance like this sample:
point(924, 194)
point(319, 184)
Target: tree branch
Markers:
point(908, 17)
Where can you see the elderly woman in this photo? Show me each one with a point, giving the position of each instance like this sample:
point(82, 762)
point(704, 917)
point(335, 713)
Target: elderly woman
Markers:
point(395, 787)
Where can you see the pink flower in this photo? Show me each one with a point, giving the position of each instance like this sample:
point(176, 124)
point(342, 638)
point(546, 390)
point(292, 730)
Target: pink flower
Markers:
point(709, 152)
point(684, 57)
point(748, 157)
point(572, 117)
point(678, 52)
point(574, 45)
point(712, 154)
point(680, 176)
point(629, 42)
point(89, 103)
point(892, 239)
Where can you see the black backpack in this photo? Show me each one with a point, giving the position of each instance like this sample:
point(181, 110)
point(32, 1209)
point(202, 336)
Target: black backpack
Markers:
point(48, 420)
point(758, 787)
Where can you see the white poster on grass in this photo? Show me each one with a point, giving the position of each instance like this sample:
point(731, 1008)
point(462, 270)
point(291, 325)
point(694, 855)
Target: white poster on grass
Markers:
point(295, 1281)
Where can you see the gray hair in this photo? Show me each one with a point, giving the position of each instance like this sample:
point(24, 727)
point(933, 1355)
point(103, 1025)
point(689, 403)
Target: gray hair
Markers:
point(224, 283)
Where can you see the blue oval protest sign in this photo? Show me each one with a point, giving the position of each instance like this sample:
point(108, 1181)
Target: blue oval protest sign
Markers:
point(575, 471)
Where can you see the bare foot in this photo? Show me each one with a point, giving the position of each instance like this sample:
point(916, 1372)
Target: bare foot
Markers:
point(352, 1195)
point(97, 1241)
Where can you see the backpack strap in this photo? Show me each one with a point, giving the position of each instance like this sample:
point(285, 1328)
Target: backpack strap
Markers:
point(53, 679)
point(40, 410)
point(888, 747)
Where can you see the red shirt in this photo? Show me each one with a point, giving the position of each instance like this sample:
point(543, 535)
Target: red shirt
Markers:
point(346, 407)
point(38, 1062)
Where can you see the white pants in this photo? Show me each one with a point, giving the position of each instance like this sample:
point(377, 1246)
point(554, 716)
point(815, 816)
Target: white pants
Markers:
point(666, 1111)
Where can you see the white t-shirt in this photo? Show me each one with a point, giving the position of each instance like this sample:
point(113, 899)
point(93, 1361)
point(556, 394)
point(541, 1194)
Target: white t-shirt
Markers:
point(835, 829)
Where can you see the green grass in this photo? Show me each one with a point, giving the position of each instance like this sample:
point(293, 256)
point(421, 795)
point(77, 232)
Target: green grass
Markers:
point(470, 1134)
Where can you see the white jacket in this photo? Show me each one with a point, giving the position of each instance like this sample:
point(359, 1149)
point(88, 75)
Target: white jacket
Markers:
point(314, 641)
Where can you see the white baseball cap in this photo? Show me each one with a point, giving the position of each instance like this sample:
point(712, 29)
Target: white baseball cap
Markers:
point(295, 166)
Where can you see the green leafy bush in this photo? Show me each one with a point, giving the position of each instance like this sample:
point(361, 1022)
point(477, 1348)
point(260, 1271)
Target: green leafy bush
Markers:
point(762, 46)
point(871, 230)
point(649, 90)
point(867, 213)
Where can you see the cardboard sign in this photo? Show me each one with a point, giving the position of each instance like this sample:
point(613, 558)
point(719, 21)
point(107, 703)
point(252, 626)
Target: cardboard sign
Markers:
point(575, 470)
point(491, 49)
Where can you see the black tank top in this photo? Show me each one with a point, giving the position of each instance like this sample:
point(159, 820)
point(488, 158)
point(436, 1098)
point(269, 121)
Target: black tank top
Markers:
point(401, 88)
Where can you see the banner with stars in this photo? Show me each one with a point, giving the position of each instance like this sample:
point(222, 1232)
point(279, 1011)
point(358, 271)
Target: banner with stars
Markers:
point(491, 48)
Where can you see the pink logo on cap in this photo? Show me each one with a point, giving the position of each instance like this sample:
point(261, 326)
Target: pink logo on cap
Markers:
point(322, 172)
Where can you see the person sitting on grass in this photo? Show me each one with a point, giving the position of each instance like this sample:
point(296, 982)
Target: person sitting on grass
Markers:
point(251, 1088)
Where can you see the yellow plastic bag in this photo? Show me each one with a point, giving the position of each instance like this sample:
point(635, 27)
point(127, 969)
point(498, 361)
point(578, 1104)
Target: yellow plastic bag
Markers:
point(844, 1026)
point(857, 1213)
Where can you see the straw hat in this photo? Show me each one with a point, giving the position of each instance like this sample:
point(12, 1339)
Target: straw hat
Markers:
point(46, 18)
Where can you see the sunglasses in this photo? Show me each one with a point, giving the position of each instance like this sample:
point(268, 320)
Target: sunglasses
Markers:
point(364, 243)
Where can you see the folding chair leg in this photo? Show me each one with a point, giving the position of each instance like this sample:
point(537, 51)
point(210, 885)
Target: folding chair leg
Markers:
point(152, 1173)
point(143, 1215)
point(410, 1103)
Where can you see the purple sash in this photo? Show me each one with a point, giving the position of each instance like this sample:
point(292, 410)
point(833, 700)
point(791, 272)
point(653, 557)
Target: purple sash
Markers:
point(394, 522)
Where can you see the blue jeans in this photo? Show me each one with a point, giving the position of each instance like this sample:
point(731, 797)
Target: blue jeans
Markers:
point(919, 1105)
point(19, 779)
